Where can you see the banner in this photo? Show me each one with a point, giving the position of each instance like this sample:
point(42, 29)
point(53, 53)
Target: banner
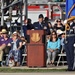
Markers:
point(70, 8)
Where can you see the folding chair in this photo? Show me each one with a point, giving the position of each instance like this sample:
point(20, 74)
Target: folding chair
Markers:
point(24, 56)
point(60, 56)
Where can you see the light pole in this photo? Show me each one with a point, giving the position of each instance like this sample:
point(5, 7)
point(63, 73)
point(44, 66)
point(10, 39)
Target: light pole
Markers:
point(25, 8)
point(2, 17)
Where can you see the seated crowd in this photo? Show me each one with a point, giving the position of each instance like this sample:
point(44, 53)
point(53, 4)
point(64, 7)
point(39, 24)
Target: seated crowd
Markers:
point(11, 46)
point(14, 45)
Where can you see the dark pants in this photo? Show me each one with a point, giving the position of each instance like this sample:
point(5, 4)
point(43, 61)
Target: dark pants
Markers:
point(5, 52)
point(69, 48)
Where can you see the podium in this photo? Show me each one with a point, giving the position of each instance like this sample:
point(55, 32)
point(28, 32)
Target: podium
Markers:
point(36, 48)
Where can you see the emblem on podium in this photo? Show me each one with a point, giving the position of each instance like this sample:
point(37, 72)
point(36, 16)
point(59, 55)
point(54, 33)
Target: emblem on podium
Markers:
point(35, 37)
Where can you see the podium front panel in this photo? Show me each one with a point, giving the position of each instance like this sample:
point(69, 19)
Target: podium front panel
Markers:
point(36, 55)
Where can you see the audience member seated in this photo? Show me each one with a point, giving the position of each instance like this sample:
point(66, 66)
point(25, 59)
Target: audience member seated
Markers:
point(63, 41)
point(59, 25)
point(23, 48)
point(4, 44)
point(46, 19)
point(27, 26)
point(47, 38)
point(24, 27)
point(53, 46)
point(49, 28)
point(14, 54)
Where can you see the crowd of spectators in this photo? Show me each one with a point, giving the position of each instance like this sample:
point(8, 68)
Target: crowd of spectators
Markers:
point(14, 45)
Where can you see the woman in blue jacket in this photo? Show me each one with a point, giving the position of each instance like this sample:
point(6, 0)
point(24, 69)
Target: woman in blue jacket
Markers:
point(53, 46)
point(14, 53)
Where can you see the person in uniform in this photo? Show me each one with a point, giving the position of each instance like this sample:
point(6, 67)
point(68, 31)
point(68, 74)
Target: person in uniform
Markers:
point(69, 43)
point(40, 24)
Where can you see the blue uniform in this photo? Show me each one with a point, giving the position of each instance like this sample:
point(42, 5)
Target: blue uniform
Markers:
point(69, 47)
point(38, 26)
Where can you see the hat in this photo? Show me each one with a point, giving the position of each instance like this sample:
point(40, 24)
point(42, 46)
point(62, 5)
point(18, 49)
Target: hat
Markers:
point(63, 32)
point(41, 16)
point(60, 31)
point(71, 18)
point(4, 31)
point(14, 32)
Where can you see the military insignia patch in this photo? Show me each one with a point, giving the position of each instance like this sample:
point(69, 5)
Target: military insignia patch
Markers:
point(35, 37)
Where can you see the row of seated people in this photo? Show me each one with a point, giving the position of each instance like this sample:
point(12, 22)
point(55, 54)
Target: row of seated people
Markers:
point(16, 43)
point(53, 45)
point(12, 46)
point(43, 24)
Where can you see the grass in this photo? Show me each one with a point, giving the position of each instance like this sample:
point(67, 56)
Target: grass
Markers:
point(10, 70)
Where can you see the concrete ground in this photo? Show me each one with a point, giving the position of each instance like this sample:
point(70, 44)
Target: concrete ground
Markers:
point(48, 67)
point(50, 73)
point(47, 73)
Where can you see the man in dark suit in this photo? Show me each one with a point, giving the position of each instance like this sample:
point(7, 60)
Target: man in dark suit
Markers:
point(39, 25)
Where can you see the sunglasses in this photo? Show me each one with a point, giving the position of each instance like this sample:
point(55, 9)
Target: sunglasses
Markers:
point(53, 34)
point(58, 21)
point(15, 35)
point(4, 33)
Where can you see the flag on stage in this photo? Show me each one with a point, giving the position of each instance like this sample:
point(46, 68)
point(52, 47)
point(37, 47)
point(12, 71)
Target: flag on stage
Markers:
point(70, 8)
